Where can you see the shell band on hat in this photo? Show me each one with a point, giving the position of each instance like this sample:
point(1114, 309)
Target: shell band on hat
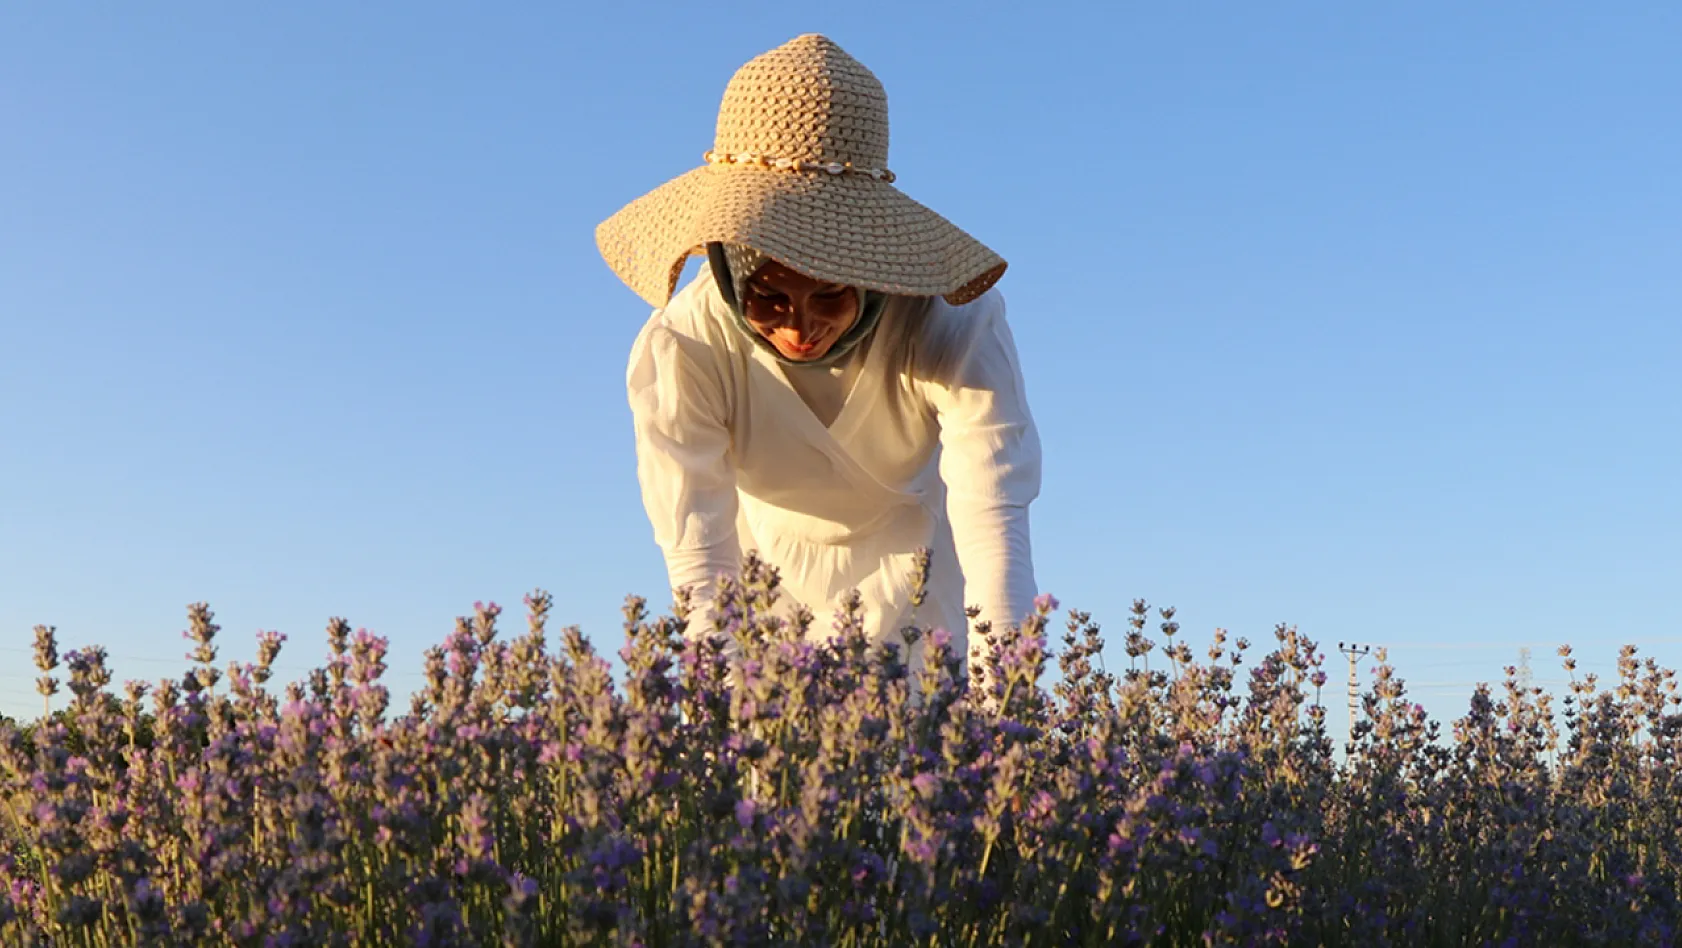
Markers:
point(794, 164)
point(799, 172)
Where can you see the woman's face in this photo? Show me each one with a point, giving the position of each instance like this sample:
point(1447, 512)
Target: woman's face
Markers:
point(801, 316)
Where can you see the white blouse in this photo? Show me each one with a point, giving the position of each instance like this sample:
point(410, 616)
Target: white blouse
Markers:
point(733, 454)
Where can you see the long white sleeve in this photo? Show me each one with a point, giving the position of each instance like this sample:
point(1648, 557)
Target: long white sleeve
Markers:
point(684, 464)
point(990, 462)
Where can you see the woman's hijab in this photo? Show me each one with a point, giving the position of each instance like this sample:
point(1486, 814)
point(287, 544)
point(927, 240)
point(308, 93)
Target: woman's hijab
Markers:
point(733, 265)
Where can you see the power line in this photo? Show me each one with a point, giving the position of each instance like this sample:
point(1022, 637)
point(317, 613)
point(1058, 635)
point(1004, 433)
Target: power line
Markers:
point(1467, 646)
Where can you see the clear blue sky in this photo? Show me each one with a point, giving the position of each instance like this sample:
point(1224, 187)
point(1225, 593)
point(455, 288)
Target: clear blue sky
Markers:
point(1361, 319)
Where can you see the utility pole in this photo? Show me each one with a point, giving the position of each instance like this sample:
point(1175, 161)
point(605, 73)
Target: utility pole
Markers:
point(1354, 652)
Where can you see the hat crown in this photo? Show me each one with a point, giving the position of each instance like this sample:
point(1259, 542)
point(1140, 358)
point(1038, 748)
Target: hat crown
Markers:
point(806, 100)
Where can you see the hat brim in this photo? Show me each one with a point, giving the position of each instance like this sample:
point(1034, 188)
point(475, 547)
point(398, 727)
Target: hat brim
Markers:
point(849, 229)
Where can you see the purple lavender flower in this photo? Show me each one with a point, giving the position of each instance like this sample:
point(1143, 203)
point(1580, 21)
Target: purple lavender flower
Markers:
point(807, 789)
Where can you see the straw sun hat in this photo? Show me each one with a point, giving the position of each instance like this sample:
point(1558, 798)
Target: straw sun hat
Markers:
point(799, 171)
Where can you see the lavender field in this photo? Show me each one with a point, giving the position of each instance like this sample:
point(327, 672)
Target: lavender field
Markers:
point(824, 794)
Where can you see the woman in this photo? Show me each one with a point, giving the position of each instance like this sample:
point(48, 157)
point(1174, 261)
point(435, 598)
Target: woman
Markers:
point(838, 387)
